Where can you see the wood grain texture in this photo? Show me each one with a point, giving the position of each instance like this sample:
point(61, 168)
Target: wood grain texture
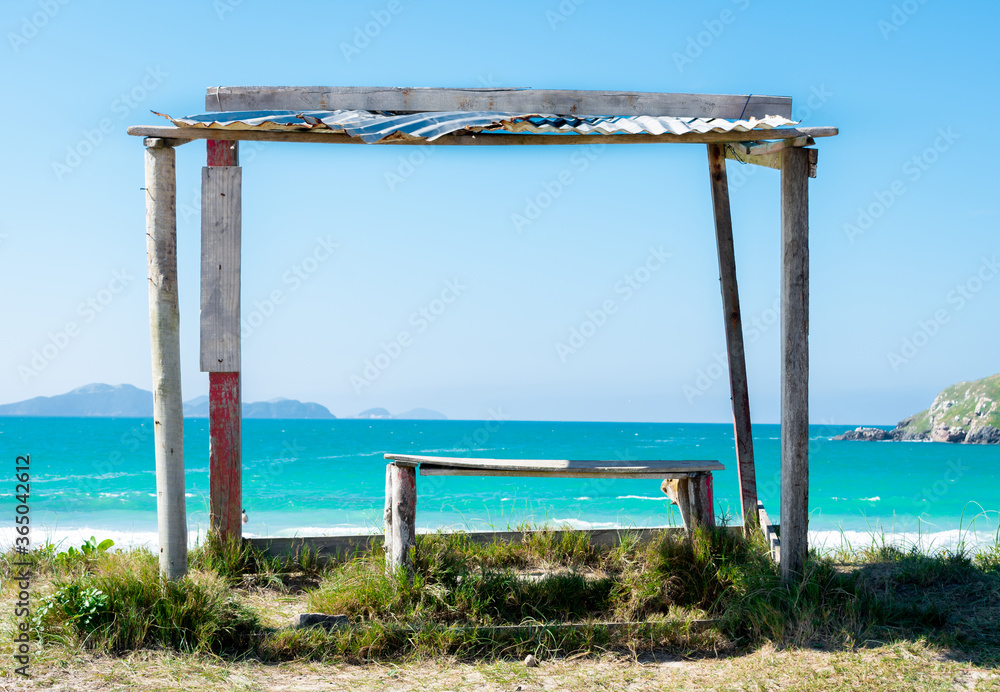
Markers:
point(557, 467)
point(771, 160)
point(733, 320)
point(517, 100)
point(164, 332)
point(404, 511)
point(222, 153)
point(225, 454)
point(770, 533)
point(221, 229)
point(482, 139)
point(387, 519)
point(794, 361)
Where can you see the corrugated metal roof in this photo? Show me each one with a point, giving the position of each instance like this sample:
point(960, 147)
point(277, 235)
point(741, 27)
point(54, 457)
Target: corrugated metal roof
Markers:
point(374, 127)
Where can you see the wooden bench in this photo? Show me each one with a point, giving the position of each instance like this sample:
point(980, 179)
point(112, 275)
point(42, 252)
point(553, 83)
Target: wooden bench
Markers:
point(687, 483)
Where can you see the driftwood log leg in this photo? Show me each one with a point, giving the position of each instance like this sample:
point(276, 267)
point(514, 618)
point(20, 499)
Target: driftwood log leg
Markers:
point(693, 497)
point(404, 510)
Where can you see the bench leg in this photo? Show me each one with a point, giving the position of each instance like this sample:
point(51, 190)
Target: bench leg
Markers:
point(693, 497)
point(404, 511)
point(387, 518)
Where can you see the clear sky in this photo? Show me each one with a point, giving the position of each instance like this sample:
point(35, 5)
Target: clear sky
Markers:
point(359, 240)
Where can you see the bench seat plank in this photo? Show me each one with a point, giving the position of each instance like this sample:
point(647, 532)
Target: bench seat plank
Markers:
point(627, 468)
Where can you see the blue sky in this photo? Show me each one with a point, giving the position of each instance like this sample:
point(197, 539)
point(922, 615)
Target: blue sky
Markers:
point(365, 245)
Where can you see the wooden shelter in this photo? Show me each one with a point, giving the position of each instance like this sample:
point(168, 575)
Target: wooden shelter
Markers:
point(753, 129)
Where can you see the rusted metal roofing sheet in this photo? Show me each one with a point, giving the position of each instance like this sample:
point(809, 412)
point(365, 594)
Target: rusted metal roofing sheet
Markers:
point(372, 127)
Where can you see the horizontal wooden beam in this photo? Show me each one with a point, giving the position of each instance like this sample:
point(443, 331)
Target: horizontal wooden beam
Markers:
point(770, 532)
point(762, 148)
point(492, 139)
point(517, 100)
point(569, 467)
point(331, 547)
point(770, 160)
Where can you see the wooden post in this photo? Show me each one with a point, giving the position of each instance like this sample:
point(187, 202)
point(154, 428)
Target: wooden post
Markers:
point(389, 566)
point(220, 333)
point(794, 361)
point(404, 514)
point(694, 499)
point(734, 336)
point(164, 332)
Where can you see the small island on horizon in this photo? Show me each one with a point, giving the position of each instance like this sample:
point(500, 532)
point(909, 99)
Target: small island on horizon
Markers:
point(966, 413)
point(127, 401)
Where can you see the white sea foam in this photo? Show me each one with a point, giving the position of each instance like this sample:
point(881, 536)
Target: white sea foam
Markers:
point(925, 542)
point(871, 499)
point(641, 497)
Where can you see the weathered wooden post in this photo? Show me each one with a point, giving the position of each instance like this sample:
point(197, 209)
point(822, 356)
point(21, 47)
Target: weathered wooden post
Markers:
point(693, 497)
point(221, 230)
point(387, 518)
point(404, 513)
point(164, 333)
point(734, 336)
point(794, 361)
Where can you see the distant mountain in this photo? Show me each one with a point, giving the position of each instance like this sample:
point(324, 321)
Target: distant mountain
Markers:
point(967, 412)
point(126, 401)
point(412, 414)
point(122, 401)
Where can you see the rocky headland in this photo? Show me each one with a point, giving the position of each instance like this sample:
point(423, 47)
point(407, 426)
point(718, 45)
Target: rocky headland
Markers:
point(967, 413)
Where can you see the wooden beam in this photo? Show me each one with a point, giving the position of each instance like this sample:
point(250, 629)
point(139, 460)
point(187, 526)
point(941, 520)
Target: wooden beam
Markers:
point(733, 320)
point(772, 160)
point(225, 471)
point(404, 516)
point(220, 333)
point(770, 533)
point(604, 467)
point(694, 498)
point(341, 547)
point(517, 100)
point(482, 139)
point(164, 332)
point(794, 362)
point(762, 148)
point(221, 221)
point(387, 519)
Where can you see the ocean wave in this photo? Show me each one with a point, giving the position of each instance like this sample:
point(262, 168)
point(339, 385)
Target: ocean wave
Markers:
point(581, 524)
point(925, 542)
point(641, 497)
point(871, 499)
point(578, 499)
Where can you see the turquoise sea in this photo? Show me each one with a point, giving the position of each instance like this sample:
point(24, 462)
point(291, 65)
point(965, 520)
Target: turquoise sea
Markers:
point(95, 476)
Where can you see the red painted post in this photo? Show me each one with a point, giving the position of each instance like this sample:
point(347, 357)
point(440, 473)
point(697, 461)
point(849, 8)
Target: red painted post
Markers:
point(225, 416)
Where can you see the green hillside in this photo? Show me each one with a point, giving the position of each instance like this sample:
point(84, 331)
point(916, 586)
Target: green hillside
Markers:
point(966, 406)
